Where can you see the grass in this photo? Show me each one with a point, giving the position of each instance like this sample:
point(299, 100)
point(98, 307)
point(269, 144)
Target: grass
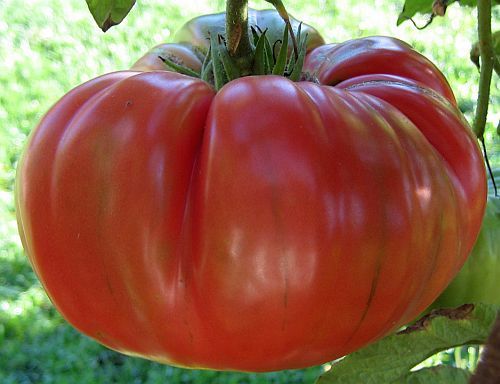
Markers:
point(49, 46)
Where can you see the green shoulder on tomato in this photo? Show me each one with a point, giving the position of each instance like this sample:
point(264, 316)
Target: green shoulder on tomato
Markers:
point(192, 40)
point(478, 280)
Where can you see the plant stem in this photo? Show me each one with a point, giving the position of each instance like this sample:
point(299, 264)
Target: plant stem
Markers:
point(278, 5)
point(487, 59)
point(488, 368)
point(238, 41)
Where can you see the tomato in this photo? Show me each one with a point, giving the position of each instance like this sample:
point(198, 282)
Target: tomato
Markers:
point(477, 281)
point(182, 53)
point(381, 58)
point(197, 30)
point(271, 225)
point(192, 39)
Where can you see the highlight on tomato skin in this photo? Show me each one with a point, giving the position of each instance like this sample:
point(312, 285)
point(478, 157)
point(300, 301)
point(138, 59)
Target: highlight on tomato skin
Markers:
point(268, 225)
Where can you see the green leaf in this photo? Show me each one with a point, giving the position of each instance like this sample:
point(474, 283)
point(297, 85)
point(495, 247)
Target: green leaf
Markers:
point(218, 68)
point(412, 7)
point(269, 56)
point(442, 374)
point(255, 35)
point(260, 55)
point(279, 67)
point(107, 13)
point(290, 65)
point(207, 73)
point(231, 70)
point(297, 67)
point(299, 63)
point(207, 67)
point(391, 359)
point(178, 67)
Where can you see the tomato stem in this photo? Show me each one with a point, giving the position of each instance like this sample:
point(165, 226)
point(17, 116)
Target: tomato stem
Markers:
point(487, 60)
point(238, 41)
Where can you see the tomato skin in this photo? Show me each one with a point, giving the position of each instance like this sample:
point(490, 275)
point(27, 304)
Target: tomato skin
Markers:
point(197, 30)
point(240, 231)
point(185, 54)
point(375, 55)
point(193, 39)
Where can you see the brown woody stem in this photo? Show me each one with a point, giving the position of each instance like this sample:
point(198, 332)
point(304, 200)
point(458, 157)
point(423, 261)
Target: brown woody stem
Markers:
point(488, 369)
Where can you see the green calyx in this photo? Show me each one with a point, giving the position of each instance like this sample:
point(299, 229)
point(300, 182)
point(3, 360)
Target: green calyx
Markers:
point(219, 67)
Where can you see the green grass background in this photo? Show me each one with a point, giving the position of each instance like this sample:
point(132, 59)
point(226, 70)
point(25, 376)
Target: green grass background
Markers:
point(49, 46)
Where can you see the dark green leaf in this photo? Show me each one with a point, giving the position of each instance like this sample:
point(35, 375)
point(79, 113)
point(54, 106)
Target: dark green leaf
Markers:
point(302, 50)
point(391, 359)
point(260, 55)
point(269, 57)
point(107, 13)
point(255, 36)
point(297, 67)
point(231, 70)
point(291, 63)
point(206, 68)
point(218, 68)
point(299, 36)
point(178, 68)
point(207, 73)
point(279, 67)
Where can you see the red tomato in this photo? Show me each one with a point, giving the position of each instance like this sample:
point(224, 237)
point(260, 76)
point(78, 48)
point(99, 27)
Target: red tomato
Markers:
point(272, 225)
point(183, 53)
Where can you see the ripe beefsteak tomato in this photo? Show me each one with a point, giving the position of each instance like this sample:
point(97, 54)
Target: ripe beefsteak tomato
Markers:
point(271, 225)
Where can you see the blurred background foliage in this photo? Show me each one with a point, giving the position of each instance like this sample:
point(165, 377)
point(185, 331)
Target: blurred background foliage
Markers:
point(48, 47)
